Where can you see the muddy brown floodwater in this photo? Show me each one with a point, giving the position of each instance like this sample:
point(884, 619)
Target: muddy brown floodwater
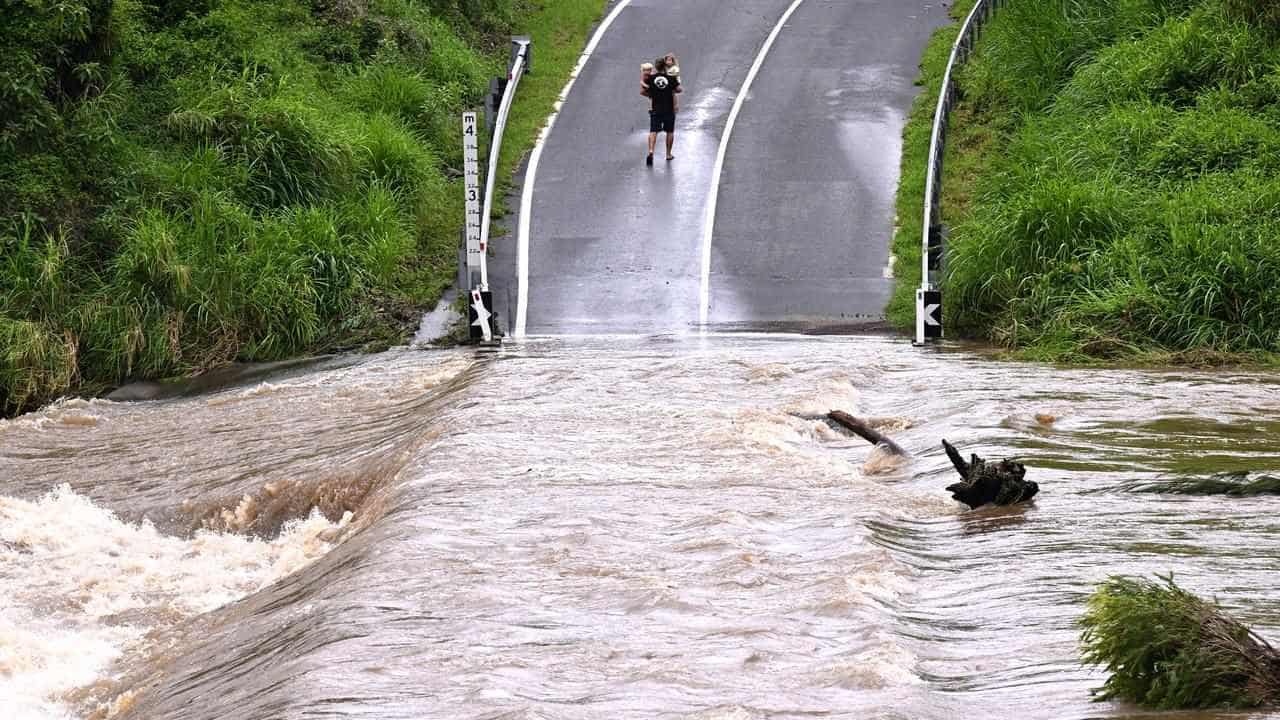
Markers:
point(613, 528)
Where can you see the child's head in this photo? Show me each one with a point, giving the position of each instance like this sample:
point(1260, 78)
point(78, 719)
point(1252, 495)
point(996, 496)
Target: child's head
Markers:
point(646, 67)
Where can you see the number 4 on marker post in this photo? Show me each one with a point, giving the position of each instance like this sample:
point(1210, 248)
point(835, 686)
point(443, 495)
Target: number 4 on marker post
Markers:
point(471, 184)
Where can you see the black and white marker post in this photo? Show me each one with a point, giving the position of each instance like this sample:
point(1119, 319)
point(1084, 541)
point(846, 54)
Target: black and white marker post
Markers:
point(928, 315)
point(479, 315)
point(480, 206)
point(928, 295)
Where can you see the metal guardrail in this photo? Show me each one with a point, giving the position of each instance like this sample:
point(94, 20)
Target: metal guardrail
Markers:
point(929, 296)
point(519, 65)
point(475, 265)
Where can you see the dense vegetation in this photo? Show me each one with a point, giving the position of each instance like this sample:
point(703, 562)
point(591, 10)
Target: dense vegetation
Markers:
point(192, 182)
point(1113, 181)
point(187, 183)
point(1165, 648)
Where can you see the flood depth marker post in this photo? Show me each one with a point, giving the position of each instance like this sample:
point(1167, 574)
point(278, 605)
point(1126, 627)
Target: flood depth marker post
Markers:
point(479, 315)
point(480, 205)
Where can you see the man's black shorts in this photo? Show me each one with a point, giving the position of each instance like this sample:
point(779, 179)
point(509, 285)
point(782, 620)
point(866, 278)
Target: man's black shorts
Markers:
point(662, 122)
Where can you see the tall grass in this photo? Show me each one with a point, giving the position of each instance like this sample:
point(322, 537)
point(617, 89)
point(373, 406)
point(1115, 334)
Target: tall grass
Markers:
point(187, 183)
point(1126, 201)
point(1165, 648)
point(1264, 13)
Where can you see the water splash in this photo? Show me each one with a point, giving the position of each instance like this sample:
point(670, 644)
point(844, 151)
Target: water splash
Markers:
point(81, 586)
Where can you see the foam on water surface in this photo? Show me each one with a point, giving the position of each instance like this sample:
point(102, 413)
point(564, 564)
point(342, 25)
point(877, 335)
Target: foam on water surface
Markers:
point(80, 586)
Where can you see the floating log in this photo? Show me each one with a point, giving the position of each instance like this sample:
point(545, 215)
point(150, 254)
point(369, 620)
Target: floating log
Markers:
point(998, 483)
point(863, 430)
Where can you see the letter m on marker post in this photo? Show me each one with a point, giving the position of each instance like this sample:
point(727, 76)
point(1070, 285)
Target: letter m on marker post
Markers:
point(471, 174)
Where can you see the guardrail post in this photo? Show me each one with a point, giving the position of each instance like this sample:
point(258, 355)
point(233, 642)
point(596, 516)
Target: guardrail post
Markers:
point(522, 45)
point(497, 87)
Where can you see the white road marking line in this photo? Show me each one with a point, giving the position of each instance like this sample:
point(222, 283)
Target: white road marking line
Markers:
point(709, 218)
point(531, 175)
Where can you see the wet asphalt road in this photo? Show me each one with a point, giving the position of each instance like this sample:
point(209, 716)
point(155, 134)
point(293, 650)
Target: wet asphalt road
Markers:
point(805, 211)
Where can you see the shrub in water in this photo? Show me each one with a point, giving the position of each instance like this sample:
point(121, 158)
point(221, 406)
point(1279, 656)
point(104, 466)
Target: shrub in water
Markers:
point(1165, 648)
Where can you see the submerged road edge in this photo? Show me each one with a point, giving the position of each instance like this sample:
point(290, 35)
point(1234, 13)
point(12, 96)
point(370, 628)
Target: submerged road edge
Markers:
point(531, 174)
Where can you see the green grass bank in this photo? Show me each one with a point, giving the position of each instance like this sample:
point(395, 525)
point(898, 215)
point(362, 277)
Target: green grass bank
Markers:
point(184, 184)
point(1113, 181)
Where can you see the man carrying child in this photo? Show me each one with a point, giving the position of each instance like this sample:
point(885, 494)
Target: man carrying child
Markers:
point(661, 83)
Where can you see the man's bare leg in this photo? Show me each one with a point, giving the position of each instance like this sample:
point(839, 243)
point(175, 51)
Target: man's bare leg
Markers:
point(671, 140)
point(653, 141)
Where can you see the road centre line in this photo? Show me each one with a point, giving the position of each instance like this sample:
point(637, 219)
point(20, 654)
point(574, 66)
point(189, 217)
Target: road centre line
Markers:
point(709, 217)
point(531, 175)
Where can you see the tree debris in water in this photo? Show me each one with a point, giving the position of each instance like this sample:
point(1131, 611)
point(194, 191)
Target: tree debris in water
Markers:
point(864, 430)
point(998, 483)
point(1167, 649)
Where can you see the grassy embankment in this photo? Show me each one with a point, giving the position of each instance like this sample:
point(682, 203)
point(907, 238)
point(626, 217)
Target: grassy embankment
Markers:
point(189, 183)
point(1112, 183)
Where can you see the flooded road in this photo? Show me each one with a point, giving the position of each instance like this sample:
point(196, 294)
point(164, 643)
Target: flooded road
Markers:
point(613, 528)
